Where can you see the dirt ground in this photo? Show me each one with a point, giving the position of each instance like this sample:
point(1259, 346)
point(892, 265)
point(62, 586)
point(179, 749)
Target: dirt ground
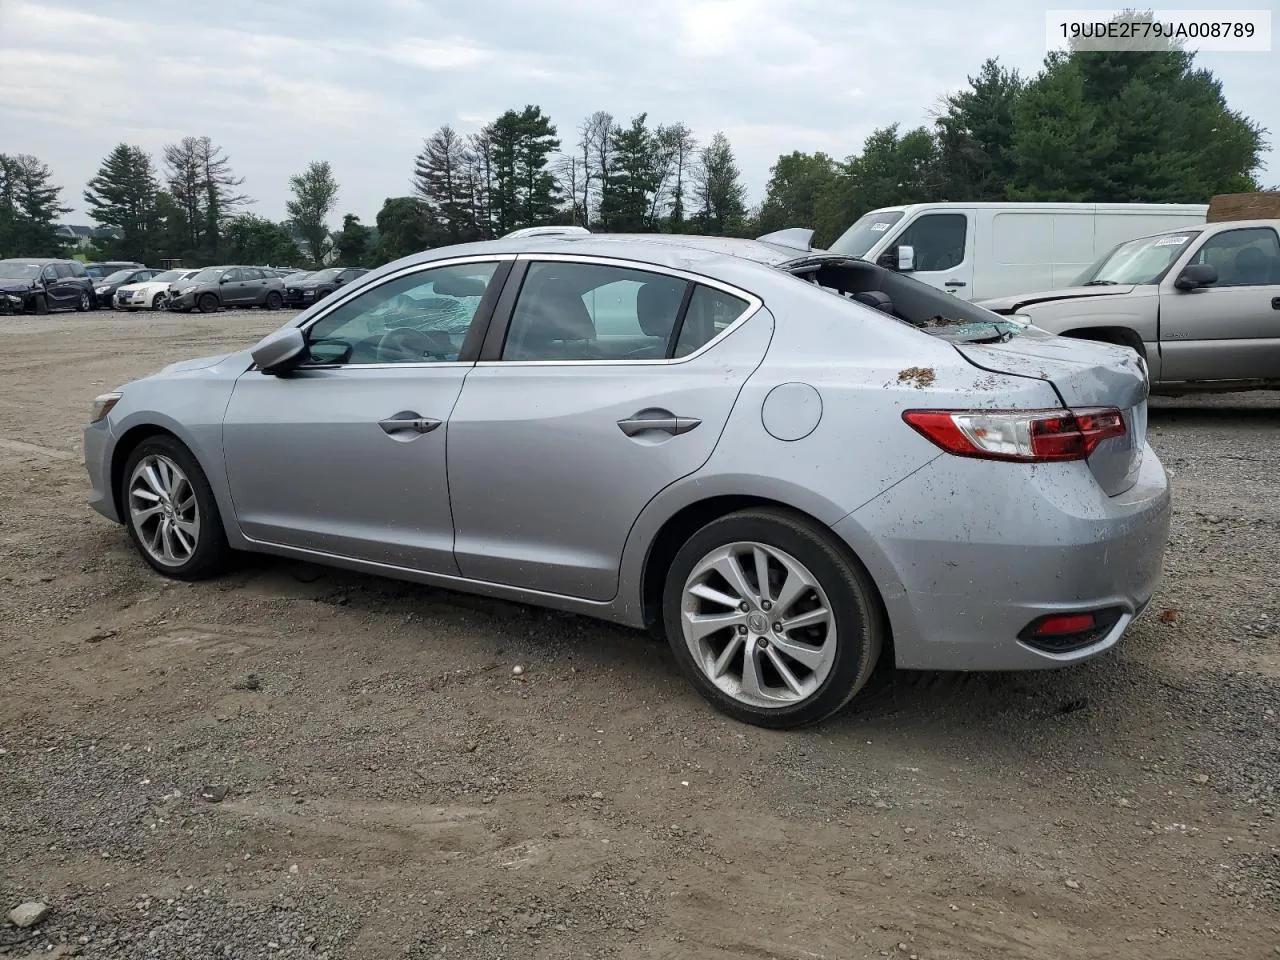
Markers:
point(393, 790)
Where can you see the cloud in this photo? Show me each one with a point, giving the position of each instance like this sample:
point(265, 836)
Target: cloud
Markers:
point(278, 84)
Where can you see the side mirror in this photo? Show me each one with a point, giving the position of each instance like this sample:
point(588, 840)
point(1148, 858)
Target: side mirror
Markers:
point(279, 352)
point(901, 258)
point(1196, 275)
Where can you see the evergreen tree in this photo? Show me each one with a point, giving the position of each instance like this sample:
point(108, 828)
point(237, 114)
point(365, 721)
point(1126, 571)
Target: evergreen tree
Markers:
point(797, 183)
point(402, 228)
point(29, 208)
point(203, 188)
point(441, 177)
point(123, 195)
point(632, 181)
point(975, 135)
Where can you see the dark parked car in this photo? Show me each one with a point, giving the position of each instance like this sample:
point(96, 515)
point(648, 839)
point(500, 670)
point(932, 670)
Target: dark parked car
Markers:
point(106, 288)
point(216, 287)
point(306, 290)
point(102, 269)
point(39, 285)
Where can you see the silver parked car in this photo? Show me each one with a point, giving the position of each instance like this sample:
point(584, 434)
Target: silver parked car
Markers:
point(790, 463)
point(1201, 305)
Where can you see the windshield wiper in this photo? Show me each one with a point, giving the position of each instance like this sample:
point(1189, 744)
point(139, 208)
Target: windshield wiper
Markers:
point(1099, 283)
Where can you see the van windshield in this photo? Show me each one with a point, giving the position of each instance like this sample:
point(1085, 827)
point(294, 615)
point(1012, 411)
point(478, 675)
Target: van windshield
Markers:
point(1141, 261)
point(863, 235)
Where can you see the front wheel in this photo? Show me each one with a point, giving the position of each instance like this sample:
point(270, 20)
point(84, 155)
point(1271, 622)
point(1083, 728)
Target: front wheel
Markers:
point(169, 507)
point(159, 302)
point(207, 303)
point(84, 303)
point(274, 301)
point(41, 303)
point(774, 624)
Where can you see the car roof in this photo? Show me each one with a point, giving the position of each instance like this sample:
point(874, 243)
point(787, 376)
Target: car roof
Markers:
point(679, 251)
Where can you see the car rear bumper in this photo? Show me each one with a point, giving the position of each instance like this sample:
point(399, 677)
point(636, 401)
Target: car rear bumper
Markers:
point(98, 444)
point(968, 553)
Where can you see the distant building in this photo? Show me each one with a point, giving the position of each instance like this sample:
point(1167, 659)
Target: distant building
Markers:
point(80, 236)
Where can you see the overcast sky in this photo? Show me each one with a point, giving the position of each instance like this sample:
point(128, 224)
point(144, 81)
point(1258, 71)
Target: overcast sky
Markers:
point(281, 82)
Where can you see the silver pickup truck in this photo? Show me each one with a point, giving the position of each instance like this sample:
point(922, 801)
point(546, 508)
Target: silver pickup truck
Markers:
point(1200, 304)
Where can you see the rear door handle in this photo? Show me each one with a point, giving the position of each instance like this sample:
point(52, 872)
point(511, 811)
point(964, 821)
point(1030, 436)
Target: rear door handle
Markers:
point(667, 423)
point(408, 422)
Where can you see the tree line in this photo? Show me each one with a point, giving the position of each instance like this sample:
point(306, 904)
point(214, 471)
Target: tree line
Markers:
point(1098, 127)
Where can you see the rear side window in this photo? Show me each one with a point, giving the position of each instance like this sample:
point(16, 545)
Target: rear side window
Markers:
point(710, 313)
point(64, 270)
point(77, 268)
point(585, 311)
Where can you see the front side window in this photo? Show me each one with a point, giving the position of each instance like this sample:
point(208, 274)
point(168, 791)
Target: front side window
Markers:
point(938, 240)
point(1243, 258)
point(421, 317)
point(583, 311)
point(48, 273)
point(64, 270)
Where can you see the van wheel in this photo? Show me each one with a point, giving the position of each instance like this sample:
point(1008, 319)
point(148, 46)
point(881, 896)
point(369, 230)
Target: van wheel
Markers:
point(770, 619)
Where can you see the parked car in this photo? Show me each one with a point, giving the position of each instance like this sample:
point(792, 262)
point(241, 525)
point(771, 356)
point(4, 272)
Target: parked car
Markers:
point(1200, 305)
point(101, 269)
point(39, 285)
point(304, 291)
point(105, 289)
point(982, 250)
point(283, 272)
point(215, 287)
point(789, 463)
point(152, 294)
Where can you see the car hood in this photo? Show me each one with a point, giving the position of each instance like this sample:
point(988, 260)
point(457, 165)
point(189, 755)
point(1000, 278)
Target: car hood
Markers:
point(1017, 302)
point(15, 286)
point(147, 285)
point(199, 363)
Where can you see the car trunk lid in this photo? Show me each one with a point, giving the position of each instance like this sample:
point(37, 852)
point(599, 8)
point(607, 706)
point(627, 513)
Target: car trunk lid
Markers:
point(1084, 374)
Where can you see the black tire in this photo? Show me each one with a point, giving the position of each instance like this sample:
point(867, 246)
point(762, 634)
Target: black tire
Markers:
point(208, 303)
point(854, 602)
point(159, 302)
point(86, 302)
point(211, 552)
point(274, 301)
point(40, 303)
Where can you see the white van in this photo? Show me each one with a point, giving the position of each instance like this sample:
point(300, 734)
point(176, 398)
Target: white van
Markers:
point(983, 250)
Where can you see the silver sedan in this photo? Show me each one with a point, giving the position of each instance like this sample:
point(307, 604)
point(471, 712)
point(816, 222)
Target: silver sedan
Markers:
point(791, 464)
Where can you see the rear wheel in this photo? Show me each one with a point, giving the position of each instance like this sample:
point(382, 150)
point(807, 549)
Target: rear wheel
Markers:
point(774, 624)
point(274, 300)
point(208, 303)
point(169, 508)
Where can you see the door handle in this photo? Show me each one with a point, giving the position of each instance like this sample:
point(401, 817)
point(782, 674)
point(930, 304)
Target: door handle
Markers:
point(408, 423)
point(955, 283)
point(675, 426)
point(1275, 303)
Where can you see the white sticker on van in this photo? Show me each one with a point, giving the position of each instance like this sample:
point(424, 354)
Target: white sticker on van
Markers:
point(1171, 241)
point(880, 227)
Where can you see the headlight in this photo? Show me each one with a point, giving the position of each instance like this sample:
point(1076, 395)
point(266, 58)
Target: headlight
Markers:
point(102, 406)
point(101, 289)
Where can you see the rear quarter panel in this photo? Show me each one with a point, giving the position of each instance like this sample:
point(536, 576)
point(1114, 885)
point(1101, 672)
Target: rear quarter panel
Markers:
point(854, 372)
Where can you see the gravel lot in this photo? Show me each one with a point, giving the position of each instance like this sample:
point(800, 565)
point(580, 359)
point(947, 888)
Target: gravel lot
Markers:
point(394, 791)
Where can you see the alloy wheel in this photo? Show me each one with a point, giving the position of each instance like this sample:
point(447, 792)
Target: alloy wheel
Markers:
point(758, 625)
point(164, 511)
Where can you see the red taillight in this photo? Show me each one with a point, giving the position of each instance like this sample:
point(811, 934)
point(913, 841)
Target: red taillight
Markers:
point(1028, 436)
